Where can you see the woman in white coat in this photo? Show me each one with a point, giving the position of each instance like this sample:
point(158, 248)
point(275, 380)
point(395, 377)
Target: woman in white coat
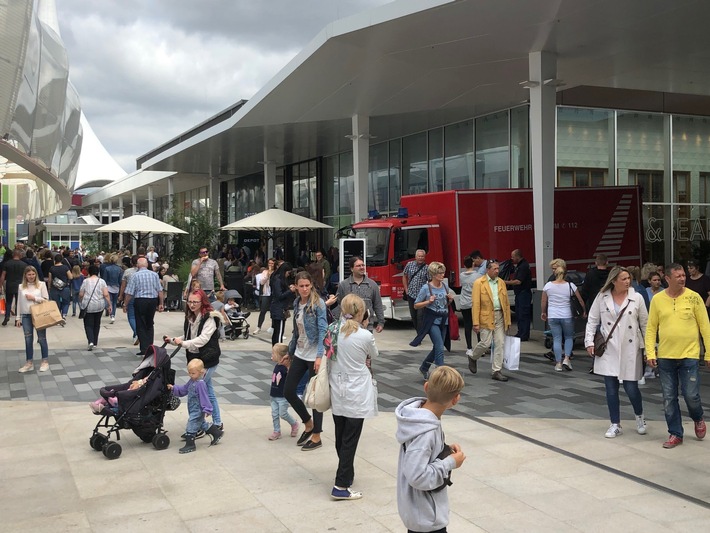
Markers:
point(623, 359)
point(353, 395)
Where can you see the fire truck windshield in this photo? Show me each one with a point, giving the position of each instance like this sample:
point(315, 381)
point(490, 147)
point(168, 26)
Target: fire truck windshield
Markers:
point(377, 240)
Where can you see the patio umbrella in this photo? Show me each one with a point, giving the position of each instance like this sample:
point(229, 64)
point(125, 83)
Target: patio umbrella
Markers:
point(273, 220)
point(139, 226)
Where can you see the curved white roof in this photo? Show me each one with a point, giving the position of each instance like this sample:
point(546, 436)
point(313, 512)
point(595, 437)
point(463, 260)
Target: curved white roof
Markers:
point(95, 163)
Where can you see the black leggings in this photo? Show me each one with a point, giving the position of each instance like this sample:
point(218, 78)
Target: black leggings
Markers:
point(92, 326)
point(298, 368)
point(279, 327)
point(264, 305)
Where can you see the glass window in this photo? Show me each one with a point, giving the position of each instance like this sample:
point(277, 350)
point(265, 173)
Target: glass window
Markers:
point(347, 184)
point(436, 160)
point(279, 192)
point(331, 196)
point(378, 186)
point(581, 177)
point(492, 151)
point(414, 164)
point(459, 161)
point(520, 147)
point(640, 147)
point(584, 141)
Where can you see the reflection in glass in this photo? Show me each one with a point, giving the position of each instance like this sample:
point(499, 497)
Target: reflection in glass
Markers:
point(436, 161)
point(492, 151)
point(459, 161)
point(378, 180)
point(520, 147)
point(414, 164)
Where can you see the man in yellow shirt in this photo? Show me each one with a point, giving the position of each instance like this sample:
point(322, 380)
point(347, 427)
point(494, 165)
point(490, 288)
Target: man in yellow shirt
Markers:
point(491, 318)
point(678, 316)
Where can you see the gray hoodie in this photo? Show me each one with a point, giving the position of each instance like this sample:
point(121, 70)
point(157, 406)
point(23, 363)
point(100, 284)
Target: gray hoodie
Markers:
point(418, 470)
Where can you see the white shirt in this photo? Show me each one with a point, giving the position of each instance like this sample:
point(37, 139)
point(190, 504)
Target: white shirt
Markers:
point(558, 299)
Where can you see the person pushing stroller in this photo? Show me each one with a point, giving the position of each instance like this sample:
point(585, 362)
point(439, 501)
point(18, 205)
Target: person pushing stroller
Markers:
point(199, 406)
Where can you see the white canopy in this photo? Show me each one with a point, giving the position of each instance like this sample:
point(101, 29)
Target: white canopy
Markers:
point(275, 219)
point(140, 224)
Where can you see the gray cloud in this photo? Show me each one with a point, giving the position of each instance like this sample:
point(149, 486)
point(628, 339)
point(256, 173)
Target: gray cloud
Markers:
point(146, 71)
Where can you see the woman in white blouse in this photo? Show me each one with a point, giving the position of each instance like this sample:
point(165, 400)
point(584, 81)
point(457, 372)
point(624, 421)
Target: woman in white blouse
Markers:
point(353, 395)
point(30, 292)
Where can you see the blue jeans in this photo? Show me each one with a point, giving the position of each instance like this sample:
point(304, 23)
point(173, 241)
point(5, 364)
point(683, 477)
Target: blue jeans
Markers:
point(197, 420)
point(131, 312)
point(74, 301)
point(523, 312)
point(62, 297)
point(28, 329)
point(611, 384)
point(114, 301)
point(216, 416)
point(436, 355)
point(562, 327)
point(279, 410)
point(685, 371)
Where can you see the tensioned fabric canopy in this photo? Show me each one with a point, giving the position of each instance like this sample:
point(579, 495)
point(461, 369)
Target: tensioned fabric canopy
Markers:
point(275, 219)
point(140, 224)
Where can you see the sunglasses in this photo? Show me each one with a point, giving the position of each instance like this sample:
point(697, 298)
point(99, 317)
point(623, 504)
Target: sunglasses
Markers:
point(193, 302)
point(203, 252)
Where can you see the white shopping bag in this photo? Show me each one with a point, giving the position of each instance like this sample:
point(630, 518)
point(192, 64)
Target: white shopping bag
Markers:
point(511, 353)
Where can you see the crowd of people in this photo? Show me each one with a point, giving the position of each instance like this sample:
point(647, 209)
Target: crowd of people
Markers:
point(648, 320)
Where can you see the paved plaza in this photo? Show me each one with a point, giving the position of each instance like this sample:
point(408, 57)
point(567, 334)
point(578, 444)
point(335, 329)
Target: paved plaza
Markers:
point(537, 459)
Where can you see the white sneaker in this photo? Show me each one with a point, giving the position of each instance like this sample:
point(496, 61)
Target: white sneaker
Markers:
point(469, 352)
point(270, 331)
point(256, 331)
point(91, 346)
point(642, 381)
point(613, 431)
point(649, 373)
point(640, 425)
point(112, 320)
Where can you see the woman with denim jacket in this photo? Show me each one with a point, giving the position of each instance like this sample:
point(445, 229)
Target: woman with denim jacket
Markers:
point(306, 349)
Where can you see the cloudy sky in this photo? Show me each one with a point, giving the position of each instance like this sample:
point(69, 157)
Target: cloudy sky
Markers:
point(149, 70)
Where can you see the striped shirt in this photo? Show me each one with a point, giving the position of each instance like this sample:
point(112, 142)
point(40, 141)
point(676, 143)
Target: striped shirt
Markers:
point(144, 284)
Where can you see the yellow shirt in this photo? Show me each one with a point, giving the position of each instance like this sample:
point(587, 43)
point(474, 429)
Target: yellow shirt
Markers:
point(677, 322)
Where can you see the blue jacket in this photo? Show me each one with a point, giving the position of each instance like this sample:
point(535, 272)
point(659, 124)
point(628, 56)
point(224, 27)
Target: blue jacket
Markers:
point(112, 275)
point(280, 296)
point(315, 322)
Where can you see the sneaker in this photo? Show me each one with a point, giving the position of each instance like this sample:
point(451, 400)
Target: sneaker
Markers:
point(276, 435)
point(256, 331)
point(469, 352)
point(672, 442)
point(270, 331)
point(613, 431)
point(649, 374)
point(112, 320)
point(472, 365)
point(44, 366)
point(310, 445)
point(558, 367)
point(567, 365)
point(424, 373)
point(27, 367)
point(700, 429)
point(345, 494)
point(136, 341)
point(91, 346)
point(640, 425)
point(642, 381)
point(294, 429)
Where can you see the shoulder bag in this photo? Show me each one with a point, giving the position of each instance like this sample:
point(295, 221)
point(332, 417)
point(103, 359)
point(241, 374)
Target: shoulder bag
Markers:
point(600, 341)
point(82, 310)
point(317, 395)
point(575, 305)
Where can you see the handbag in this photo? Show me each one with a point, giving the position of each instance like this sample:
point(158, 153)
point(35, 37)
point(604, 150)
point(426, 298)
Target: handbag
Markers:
point(317, 395)
point(454, 334)
point(82, 310)
point(575, 304)
point(58, 283)
point(600, 341)
point(45, 315)
point(331, 339)
point(511, 353)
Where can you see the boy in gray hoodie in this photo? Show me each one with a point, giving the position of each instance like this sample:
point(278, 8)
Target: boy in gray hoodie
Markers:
point(422, 476)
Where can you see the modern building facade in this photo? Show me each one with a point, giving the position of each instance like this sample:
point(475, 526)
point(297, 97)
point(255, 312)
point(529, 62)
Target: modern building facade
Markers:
point(39, 118)
point(421, 96)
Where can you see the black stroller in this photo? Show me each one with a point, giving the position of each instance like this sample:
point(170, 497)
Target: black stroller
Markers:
point(140, 410)
point(237, 324)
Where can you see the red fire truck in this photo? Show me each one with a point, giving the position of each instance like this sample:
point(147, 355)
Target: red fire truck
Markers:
point(451, 224)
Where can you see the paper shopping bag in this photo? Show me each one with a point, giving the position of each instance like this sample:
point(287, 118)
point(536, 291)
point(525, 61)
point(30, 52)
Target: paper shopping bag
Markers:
point(511, 353)
point(45, 314)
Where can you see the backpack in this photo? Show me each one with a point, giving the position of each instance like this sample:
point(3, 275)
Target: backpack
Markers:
point(331, 339)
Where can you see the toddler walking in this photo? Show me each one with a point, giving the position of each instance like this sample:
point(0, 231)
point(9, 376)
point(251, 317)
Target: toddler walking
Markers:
point(279, 404)
point(198, 406)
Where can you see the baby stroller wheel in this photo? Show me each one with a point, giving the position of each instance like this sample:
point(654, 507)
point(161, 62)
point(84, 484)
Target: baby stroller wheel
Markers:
point(548, 343)
point(246, 333)
point(97, 441)
point(112, 450)
point(161, 441)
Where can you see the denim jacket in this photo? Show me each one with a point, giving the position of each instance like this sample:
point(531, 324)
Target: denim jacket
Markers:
point(315, 322)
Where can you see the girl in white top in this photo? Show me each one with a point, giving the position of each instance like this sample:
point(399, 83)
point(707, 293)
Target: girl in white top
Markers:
point(30, 292)
point(353, 395)
point(557, 312)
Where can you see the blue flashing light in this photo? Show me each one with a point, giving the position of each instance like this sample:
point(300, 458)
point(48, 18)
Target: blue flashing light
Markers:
point(373, 213)
point(402, 212)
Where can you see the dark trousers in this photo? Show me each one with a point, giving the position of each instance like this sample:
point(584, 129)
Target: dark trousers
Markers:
point(264, 305)
point(278, 335)
point(468, 326)
point(416, 314)
point(9, 298)
point(347, 436)
point(145, 313)
point(92, 325)
point(523, 312)
point(298, 368)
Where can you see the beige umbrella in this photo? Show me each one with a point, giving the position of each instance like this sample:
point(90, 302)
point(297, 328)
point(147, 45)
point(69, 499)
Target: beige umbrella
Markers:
point(139, 226)
point(273, 220)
